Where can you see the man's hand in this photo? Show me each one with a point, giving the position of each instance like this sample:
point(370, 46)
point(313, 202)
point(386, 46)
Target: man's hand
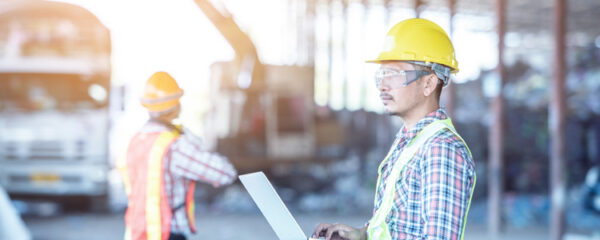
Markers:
point(339, 231)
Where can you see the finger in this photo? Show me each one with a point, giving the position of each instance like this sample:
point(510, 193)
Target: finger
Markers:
point(347, 234)
point(331, 230)
point(321, 227)
point(342, 230)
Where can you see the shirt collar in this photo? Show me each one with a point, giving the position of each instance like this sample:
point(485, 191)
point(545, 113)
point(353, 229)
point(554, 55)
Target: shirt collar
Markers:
point(153, 127)
point(439, 114)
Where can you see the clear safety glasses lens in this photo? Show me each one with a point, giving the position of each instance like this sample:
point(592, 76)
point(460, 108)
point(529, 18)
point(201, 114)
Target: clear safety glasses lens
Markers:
point(393, 78)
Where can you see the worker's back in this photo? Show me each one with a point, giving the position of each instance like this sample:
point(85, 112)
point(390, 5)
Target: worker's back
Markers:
point(148, 208)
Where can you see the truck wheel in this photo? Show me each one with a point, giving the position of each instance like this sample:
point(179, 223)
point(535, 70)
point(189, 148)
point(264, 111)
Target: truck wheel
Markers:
point(99, 204)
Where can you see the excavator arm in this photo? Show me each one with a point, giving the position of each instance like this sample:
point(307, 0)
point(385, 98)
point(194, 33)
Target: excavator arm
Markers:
point(247, 65)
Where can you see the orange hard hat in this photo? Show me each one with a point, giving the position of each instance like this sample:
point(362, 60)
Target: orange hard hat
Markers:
point(161, 93)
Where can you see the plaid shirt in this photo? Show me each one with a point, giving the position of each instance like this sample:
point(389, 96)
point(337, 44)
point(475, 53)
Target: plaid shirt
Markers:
point(434, 189)
point(188, 161)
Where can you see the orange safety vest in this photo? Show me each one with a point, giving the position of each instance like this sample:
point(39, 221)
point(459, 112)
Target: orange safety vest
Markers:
point(148, 215)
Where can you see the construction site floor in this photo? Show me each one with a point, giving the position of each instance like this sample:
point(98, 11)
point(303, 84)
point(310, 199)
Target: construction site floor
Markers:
point(220, 226)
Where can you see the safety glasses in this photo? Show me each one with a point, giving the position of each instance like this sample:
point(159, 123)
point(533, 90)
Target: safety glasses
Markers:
point(394, 78)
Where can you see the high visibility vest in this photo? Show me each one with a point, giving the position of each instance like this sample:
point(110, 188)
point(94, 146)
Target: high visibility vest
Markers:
point(148, 215)
point(378, 227)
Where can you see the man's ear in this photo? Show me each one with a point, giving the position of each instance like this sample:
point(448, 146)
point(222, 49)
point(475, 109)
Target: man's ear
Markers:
point(430, 83)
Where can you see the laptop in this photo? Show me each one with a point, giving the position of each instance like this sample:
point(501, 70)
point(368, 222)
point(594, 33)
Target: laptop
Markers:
point(272, 207)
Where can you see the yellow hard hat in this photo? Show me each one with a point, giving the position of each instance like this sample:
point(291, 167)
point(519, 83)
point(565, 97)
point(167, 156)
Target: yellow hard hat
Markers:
point(420, 40)
point(161, 93)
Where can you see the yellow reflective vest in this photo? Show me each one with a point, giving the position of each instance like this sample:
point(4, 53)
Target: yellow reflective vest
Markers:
point(378, 228)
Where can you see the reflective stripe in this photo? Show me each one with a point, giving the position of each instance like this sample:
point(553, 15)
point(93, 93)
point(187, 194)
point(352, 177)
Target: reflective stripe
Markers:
point(375, 230)
point(378, 228)
point(154, 181)
point(190, 207)
point(127, 233)
point(121, 165)
point(450, 127)
point(148, 214)
point(162, 99)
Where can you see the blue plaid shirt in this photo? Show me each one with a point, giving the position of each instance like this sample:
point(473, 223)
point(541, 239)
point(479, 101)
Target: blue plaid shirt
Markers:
point(433, 192)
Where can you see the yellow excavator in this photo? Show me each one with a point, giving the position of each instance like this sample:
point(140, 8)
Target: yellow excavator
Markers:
point(264, 115)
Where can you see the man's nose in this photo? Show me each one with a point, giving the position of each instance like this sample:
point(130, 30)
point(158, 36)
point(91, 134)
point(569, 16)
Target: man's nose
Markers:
point(383, 86)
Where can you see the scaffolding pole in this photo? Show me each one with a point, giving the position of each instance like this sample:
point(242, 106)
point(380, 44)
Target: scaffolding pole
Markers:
point(417, 6)
point(344, 47)
point(311, 43)
point(330, 16)
point(363, 30)
point(387, 5)
point(556, 124)
point(450, 94)
point(496, 139)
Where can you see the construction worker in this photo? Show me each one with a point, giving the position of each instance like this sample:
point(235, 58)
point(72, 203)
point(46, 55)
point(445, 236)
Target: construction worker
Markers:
point(161, 166)
point(426, 181)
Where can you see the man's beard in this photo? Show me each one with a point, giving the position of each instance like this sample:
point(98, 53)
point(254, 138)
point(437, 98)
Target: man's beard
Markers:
point(399, 112)
point(396, 114)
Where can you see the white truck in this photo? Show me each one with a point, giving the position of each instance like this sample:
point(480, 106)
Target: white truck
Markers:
point(54, 100)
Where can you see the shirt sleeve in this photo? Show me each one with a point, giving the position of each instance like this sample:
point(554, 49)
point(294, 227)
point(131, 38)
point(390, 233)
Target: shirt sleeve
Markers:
point(190, 160)
point(447, 179)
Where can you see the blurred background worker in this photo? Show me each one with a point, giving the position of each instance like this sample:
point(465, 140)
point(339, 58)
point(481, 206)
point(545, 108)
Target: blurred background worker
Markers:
point(161, 166)
point(426, 182)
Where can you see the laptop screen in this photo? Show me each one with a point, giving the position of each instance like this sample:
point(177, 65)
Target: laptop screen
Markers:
point(272, 207)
